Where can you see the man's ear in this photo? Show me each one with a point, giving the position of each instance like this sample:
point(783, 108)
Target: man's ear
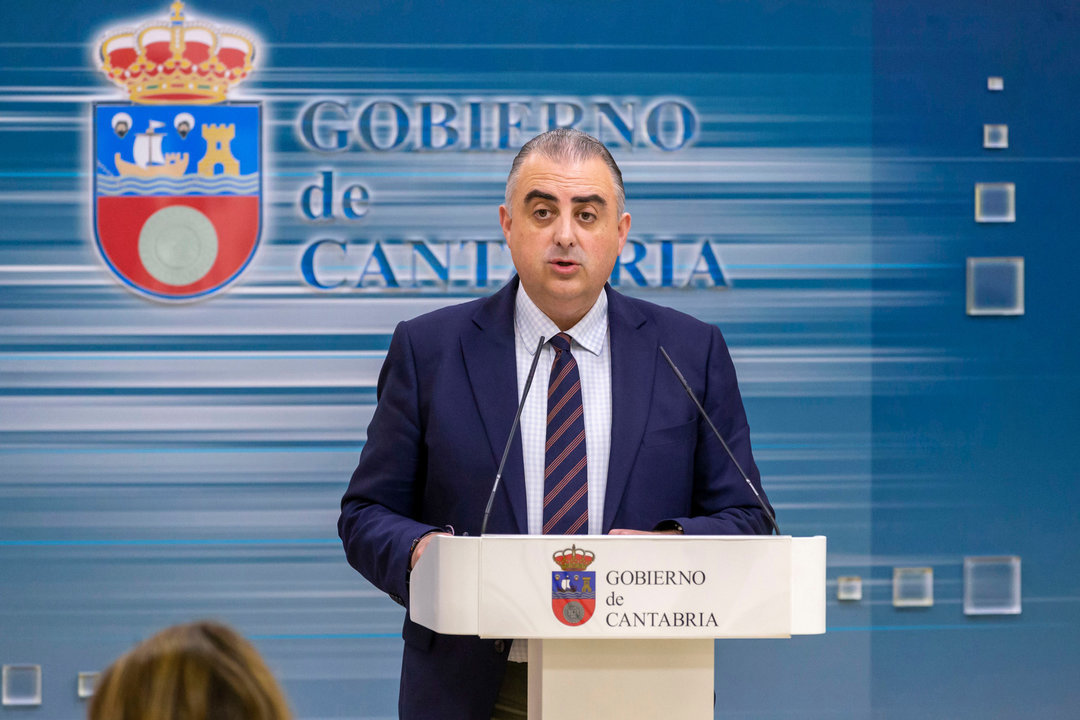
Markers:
point(504, 221)
point(624, 230)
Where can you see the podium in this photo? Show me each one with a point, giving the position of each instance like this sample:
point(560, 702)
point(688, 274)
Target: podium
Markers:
point(621, 626)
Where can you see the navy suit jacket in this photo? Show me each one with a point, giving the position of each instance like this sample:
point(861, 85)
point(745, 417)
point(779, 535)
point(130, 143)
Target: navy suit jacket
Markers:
point(447, 396)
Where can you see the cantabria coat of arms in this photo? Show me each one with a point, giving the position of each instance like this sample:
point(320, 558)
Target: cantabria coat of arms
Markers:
point(573, 590)
point(177, 172)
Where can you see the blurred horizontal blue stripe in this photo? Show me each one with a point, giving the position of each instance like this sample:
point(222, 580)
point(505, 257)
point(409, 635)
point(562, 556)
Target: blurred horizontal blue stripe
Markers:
point(208, 343)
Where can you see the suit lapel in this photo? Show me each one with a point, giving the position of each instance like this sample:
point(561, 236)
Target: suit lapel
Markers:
point(633, 365)
point(491, 363)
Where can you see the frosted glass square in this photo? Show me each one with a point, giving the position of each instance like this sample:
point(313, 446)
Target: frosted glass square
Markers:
point(849, 587)
point(87, 683)
point(21, 685)
point(995, 137)
point(913, 587)
point(995, 286)
point(995, 83)
point(995, 202)
point(992, 585)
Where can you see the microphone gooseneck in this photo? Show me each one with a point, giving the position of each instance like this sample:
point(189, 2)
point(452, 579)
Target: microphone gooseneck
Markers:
point(701, 410)
point(513, 429)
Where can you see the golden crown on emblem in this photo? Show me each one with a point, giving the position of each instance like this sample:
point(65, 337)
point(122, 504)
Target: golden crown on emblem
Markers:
point(573, 558)
point(176, 61)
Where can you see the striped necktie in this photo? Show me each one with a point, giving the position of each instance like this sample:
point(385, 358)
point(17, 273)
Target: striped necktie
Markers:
point(566, 503)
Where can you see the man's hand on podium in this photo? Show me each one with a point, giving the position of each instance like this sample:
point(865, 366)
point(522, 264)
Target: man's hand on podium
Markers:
point(420, 546)
point(623, 531)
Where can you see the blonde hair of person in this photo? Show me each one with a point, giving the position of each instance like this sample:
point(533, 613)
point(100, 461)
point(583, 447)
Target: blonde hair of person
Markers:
point(198, 671)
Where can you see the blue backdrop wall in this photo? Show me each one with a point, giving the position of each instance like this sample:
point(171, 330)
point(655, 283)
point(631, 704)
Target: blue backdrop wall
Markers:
point(802, 174)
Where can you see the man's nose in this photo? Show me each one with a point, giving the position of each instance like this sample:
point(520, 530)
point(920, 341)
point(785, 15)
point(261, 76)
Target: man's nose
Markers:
point(563, 234)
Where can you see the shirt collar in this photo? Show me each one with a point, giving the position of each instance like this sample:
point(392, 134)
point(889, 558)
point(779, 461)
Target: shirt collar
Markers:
point(530, 323)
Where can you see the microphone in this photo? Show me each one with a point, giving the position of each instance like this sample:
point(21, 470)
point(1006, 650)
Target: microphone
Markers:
point(513, 429)
point(745, 477)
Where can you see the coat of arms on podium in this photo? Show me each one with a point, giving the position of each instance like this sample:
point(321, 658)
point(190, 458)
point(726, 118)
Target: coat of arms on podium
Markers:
point(177, 177)
point(573, 590)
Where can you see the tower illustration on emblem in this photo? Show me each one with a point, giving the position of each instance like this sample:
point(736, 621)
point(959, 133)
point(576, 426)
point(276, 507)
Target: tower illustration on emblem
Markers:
point(177, 197)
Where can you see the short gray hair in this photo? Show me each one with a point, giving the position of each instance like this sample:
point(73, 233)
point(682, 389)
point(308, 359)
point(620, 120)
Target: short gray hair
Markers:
point(570, 146)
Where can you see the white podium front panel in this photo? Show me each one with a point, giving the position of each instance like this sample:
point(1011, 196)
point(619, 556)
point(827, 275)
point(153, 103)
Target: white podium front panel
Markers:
point(635, 587)
point(738, 575)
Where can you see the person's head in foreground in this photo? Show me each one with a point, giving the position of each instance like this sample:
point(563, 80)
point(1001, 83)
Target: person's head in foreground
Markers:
point(198, 671)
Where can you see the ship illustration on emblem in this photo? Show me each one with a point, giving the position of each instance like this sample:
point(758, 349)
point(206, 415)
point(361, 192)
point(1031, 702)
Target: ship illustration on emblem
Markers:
point(573, 590)
point(177, 194)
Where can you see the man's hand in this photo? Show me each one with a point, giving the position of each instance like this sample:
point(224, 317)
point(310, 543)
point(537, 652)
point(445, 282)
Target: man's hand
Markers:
point(421, 546)
point(623, 531)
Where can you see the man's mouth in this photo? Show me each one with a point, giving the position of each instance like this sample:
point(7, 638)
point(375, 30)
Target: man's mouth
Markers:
point(564, 263)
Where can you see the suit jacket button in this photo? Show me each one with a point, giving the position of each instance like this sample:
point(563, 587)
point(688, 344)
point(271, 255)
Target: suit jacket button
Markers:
point(500, 645)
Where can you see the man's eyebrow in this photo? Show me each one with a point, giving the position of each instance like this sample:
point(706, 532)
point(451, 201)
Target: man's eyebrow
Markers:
point(539, 194)
point(578, 200)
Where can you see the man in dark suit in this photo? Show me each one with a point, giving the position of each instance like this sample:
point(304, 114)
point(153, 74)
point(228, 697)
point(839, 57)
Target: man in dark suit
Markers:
point(613, 446)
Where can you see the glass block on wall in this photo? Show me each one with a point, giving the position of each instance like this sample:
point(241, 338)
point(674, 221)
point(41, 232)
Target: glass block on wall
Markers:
point(913, 587)
point(995, 286)
point(21, 685)
point(87, 683)
point(849, 588)
point(995, 137)
point(992, 585)
point(995, 83)
point(995, 202)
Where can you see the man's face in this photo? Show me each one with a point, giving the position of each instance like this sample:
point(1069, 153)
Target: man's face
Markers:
point(564, 235)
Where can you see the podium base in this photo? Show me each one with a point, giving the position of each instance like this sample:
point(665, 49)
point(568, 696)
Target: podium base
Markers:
point(625, 679)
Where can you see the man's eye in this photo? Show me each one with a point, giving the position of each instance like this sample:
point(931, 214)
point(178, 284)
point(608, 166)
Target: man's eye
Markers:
point(542, 213)
point(587, 216)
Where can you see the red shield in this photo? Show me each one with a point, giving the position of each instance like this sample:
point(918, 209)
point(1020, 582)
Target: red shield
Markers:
point(573, 612)
point(121, 222)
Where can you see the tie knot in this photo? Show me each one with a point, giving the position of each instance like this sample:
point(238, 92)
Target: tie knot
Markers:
point(561, 342)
